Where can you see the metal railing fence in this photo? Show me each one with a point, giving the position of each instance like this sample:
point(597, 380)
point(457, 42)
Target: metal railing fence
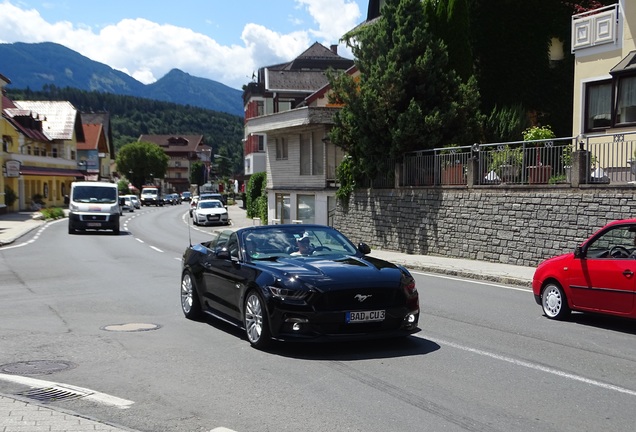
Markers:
point(610, 158)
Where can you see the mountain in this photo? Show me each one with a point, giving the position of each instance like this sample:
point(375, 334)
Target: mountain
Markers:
point(35, 65)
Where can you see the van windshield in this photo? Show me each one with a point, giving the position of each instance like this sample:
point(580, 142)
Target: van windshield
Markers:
point(95, 194)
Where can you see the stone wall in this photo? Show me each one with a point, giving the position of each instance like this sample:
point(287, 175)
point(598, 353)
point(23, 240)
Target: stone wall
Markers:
point(514, 225)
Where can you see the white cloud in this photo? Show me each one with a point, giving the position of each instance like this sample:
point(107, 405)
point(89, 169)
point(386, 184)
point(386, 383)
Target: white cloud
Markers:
point(147, 50)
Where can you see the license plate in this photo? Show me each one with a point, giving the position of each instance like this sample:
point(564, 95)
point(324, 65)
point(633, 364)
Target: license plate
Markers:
point(94, 224)
point(365, 316)
point(213, 218)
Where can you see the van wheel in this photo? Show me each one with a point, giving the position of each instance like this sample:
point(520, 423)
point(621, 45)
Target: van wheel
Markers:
point(71, 230)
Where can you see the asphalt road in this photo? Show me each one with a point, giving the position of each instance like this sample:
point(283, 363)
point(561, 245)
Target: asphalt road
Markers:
point(107, 307)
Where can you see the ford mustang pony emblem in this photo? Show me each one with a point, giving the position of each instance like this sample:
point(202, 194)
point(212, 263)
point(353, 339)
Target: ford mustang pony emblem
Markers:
point(361, 297)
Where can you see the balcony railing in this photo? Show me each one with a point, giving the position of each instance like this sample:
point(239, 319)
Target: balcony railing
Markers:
point(593, 28)
point(604, 159)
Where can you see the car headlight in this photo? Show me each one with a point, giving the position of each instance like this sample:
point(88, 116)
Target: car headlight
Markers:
point(288, 294)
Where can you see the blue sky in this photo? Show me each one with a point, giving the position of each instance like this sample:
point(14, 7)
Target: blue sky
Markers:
point(219, 40)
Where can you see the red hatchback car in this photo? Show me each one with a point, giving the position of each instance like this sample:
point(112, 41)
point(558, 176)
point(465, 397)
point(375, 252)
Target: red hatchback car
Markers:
point(599, 276)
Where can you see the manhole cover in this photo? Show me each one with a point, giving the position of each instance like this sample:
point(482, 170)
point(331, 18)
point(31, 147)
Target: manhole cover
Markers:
point(36, 367)
point(131, 327)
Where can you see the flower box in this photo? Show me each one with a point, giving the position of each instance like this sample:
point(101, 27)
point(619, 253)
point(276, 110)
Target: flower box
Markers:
point(453, 175)
point(539, 174)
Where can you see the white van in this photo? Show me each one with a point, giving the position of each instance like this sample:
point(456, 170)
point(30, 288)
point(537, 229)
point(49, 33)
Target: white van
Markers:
point(93, 205)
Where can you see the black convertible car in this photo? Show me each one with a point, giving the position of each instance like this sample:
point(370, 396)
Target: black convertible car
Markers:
point(297, 282)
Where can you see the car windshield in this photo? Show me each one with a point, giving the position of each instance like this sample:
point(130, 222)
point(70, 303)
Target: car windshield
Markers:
point(283, 241)
point(210, 204)
point(149, 192)
point(95, 194)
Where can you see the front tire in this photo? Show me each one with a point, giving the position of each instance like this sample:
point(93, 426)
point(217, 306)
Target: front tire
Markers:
point(190, 304)
point(554, 302)
point(255, 320)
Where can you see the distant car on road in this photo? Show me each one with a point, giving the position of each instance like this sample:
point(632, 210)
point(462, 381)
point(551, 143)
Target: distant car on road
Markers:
point(151, 195)
point(128, 204)
point(210, 212)
point(134, 200)
point(216, 196)
point(250, 278)
point(186, 196)
point(598, 276)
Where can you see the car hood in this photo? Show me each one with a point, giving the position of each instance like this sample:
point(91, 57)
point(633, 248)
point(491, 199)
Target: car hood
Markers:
point(555, 260)
point(345, 269)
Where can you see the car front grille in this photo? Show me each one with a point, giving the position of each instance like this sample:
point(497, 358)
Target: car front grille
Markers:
point(94, 218)
point(358, 299)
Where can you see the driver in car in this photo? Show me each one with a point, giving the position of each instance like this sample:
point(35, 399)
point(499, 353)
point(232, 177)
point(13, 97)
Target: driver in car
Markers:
point(304, 246)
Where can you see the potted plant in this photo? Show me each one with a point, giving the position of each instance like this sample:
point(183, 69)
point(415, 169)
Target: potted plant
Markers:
point(452, 172)
point(538, 173)
point(506, 163)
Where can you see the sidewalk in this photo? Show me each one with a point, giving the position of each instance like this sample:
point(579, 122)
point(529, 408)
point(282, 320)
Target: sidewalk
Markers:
point(18, 415)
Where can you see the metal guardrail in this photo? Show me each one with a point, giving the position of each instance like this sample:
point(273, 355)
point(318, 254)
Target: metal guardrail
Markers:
point(611, 158)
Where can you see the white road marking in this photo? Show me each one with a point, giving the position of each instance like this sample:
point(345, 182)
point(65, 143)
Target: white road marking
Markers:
point(139, 240)
point(91, 394)
point(534, 366)
point(478, 282)
point(156, 248)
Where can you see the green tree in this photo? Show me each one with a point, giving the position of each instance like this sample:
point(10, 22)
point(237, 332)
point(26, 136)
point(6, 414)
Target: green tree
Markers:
point(255, 189)
point(406, 97)
point(141, 162)
point(197, 175)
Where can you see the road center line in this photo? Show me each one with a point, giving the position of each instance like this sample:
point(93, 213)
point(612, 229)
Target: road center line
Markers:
point(534, 366)
point(156, 248)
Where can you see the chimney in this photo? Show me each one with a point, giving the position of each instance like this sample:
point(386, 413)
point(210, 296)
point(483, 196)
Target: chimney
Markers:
point(334, 49)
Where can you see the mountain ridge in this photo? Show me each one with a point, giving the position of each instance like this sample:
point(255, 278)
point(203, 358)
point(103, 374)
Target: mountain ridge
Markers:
point(36, 65)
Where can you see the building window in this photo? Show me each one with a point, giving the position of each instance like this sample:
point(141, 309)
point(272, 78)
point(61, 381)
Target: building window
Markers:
point(28, 150)
point(72, 154)
point(177, 164)
point(260, 108)
point(7, 141)
point(282, 208)
point(306, 208)
point(281, 149)
point(311, 154)
point(626, 100)
point(598, 105)
point(305, 154)
point(261, 143)
point(317, 154)
point(54, 152)
point(335, 154)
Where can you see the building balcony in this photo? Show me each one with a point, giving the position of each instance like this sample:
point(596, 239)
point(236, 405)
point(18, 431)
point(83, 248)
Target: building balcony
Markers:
point(599, 27)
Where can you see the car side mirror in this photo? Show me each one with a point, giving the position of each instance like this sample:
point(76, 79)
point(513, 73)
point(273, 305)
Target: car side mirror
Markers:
point(578, 252)
point(364, 248)
point(223, 253)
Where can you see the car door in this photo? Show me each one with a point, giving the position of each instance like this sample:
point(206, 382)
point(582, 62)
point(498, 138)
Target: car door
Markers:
point(605, 280)
point(225, 277)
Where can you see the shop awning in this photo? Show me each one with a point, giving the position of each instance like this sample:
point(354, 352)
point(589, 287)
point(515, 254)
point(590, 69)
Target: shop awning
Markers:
point(46, 171)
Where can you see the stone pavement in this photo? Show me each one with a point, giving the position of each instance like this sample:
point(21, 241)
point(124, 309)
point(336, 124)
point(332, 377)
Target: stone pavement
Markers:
point(19, 415)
